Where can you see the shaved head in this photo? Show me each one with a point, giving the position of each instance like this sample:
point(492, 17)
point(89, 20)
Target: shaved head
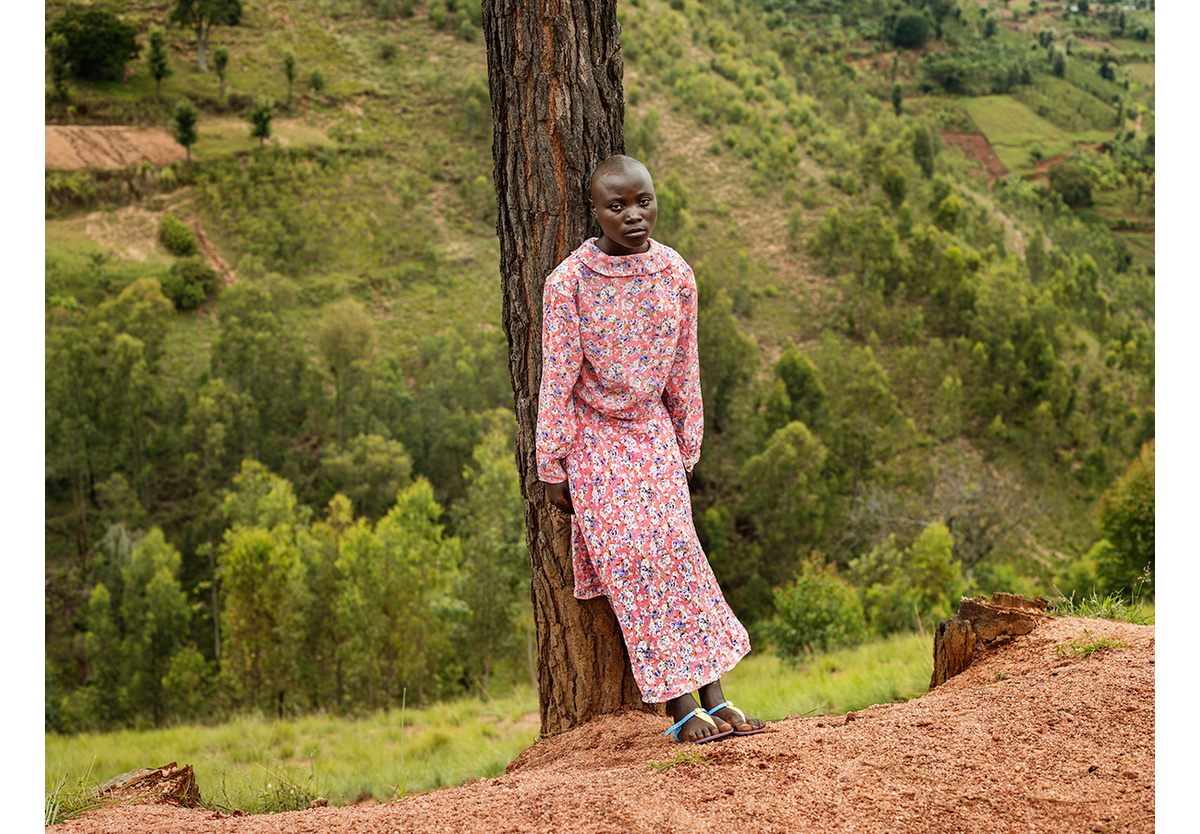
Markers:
point(617, 164)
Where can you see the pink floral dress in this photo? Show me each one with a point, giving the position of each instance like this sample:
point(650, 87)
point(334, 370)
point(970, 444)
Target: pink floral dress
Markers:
point(620, 417)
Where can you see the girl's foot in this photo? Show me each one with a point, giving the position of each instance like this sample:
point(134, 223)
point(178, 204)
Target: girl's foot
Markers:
point(711, 696)
point(695, 728)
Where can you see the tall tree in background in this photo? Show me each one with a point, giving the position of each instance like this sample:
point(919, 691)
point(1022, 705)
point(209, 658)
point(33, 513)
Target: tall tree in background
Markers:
point(156, 58)
point(554, 73)
point(201, 16)
point(220, 63)
point(289, 72)
point(185, 125)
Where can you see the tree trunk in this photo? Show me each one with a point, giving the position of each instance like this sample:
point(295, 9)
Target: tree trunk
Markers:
point(201, 47)
point(554, 73)
point(980, 624)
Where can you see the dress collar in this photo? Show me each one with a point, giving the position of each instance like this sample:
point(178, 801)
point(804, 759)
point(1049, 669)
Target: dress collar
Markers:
point(653, 260)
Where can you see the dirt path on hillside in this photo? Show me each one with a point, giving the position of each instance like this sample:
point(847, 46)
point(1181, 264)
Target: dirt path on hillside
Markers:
point(75, 147)
point(1033, 737)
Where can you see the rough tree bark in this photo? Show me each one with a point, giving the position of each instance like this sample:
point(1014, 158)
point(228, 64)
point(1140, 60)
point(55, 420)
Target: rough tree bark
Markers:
point(980, 624)
point(554, 73)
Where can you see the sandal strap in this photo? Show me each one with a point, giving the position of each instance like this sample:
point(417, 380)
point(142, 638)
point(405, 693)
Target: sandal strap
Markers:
point(730, 705)
point(696, 713)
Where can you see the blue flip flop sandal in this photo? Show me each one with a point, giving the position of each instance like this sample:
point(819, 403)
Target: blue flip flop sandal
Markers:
point(698, 712)
point(730, 705)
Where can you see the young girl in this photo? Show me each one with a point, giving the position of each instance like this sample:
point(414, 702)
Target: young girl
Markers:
point(619, 428)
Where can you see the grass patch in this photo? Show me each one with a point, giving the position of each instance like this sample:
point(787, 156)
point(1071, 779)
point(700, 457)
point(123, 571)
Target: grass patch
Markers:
point(1014, 130)
point(258, 763)
point(1084, 647)
point(1066, 106)
point(66, 800)
point(887, 670)
point(690, 756)
point(223, 136)
point(1102, 607)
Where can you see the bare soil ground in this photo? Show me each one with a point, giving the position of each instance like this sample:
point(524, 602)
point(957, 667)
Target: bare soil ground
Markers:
point(976, 148)
point(1037, 735)
point(75, 147)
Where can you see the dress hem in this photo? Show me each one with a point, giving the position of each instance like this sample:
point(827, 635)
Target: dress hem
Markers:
point(693, 685)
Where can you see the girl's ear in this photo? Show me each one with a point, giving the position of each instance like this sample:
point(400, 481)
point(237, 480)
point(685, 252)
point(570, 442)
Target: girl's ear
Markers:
point(592, 209)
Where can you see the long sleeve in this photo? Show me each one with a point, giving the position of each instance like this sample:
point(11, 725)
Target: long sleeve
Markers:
point(562, 358)
point(681, 395)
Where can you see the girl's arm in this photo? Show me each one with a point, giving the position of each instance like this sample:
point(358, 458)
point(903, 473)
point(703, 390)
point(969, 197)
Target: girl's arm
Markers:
point(562, 358)
point(682, 393)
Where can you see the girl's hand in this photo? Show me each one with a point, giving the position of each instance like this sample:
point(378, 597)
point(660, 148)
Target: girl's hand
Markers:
point(560, 496)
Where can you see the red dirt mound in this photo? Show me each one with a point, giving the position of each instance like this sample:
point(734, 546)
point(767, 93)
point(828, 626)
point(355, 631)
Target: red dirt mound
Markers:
point(1038, 735)
point(75, 147)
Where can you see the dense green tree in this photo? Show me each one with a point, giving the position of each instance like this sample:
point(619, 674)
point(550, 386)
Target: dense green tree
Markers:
point(59, 52)
point(289, 72)
point(1058, 61)
point(806, 395)
point(815, 611)
point(201, 16)
point(912, 30)
point(159, 63)
point(1126, 518)
point(98, 43)
point(369, 470)
point(104, 698)
point(894, 185)
point(261, 115)
point(185, 125)
point(786, 494)
point(263, 577)
point(156, 617)
point(259, 357)
point(394, 602)
point(495, 565)
point(865, 418)
point(904, 589)
point(923, 149)
point(1072, 181)
point(728, 357)
point(221, 64)
point(346, 334)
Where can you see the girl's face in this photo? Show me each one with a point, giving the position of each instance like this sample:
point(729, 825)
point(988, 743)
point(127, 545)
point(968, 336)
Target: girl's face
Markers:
point(623, 204)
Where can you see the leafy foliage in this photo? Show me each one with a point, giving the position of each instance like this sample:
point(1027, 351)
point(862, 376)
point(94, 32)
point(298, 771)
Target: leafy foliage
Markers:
point(98, 44)
point(1126, 518)
point(176, 236)
point(815, 611)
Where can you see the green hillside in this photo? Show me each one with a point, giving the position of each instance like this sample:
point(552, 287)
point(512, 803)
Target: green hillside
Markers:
point(919, 376)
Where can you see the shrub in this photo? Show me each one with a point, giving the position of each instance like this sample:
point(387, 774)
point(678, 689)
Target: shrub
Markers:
point(901, 588)
point(98, 42)
point(176, 236)
point(816, 611)
point(1126, 517)
point(189, 282)
point(1072, 181)
point(912, 31)
point(316, 80)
